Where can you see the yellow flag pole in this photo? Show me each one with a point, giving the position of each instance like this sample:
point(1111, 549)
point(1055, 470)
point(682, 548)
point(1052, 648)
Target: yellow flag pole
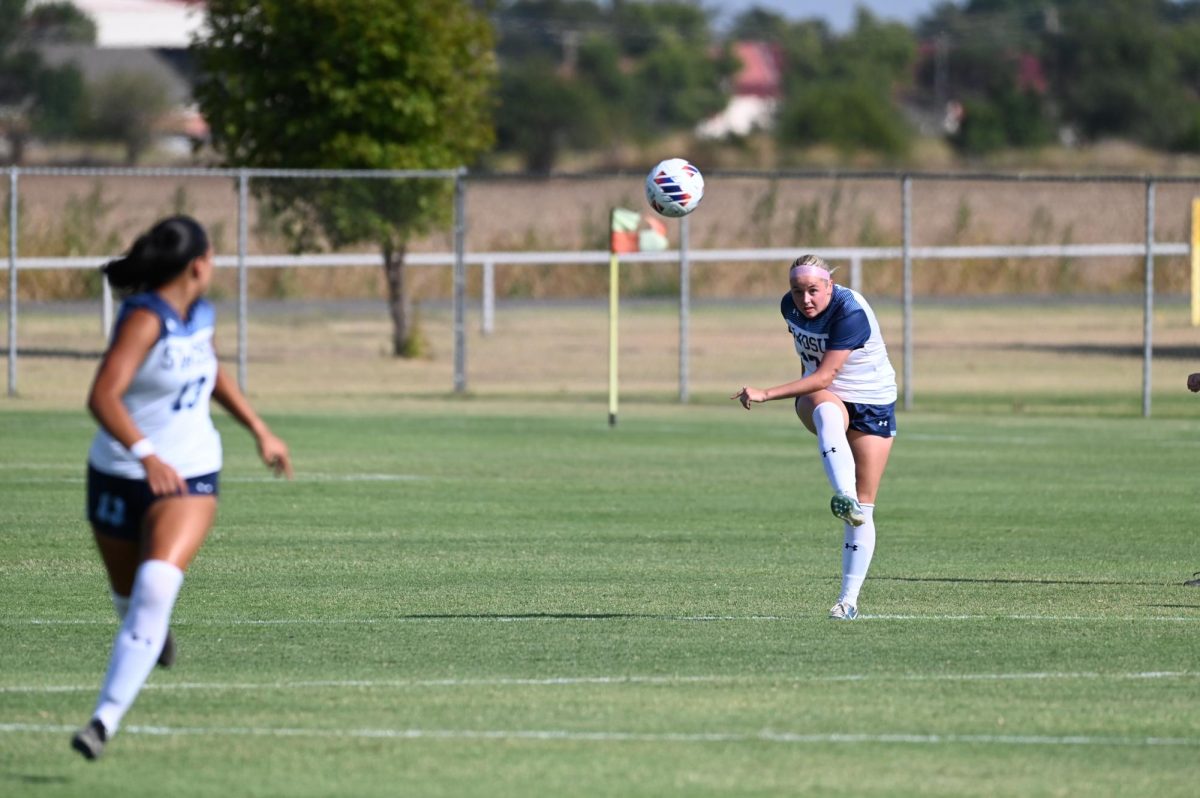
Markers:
point(1195, 262)
point(614, 271)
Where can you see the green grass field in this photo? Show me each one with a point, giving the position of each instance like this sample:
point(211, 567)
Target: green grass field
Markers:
point(465, 598)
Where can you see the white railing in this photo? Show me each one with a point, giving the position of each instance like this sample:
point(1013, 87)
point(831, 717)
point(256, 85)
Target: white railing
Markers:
point(853, 256)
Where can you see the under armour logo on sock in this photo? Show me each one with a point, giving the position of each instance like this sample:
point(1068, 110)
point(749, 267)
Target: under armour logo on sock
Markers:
point(825, 452)
point(852, 546)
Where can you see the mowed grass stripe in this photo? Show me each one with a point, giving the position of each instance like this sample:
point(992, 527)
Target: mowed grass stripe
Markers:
point(617, 617)
point(567, 681)
point(535, 735)
point(1027, 587)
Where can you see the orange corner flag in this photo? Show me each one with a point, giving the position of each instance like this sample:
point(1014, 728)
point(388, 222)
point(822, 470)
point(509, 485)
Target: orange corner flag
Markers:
point(624, 230)
point(633, 232)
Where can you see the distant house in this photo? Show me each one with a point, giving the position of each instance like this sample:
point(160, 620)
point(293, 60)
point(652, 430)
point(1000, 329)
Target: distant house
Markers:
point(148, 37)
point(757, 88)
point(97, 64)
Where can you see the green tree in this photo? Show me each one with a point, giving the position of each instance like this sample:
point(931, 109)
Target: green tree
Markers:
point(843, 91)
point(351, 84)
point(545, 112)
point(1117, 74)
point(61, 108)
point(546, 29)
point(126, 106)
point(760, 24)
point(36, 99)
point(60, 22)
point(679, 69)
point(576, 73)
point(1105, 68)
point(678, 85)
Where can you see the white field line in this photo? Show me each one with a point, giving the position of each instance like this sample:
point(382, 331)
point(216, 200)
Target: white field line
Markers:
point(556, 735)
point(301, 477)
point(547, 618)
point(586, 618)
point(570, 681)
point(1027, 617)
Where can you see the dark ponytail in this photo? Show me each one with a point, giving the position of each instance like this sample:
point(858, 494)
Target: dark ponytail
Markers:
point(158, 256)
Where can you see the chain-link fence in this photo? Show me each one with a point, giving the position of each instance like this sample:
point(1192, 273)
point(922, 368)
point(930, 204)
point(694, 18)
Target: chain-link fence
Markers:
point(997, 292)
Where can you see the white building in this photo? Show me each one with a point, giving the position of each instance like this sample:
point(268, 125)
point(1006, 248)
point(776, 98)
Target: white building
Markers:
point(142, 23)
point(757, 88)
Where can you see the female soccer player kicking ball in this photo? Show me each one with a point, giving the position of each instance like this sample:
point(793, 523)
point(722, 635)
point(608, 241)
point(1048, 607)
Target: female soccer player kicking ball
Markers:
point(847, 398)
point(154, 463)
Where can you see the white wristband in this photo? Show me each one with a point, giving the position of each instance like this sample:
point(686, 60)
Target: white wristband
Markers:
point(142, 449)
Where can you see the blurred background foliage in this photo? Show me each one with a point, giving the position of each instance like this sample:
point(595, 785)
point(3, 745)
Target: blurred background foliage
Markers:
point(586, 84)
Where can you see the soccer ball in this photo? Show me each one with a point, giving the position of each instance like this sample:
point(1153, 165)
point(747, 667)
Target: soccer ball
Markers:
point(674, 188)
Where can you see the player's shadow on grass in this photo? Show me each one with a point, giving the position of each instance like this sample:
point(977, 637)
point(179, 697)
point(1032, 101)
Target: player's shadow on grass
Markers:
point(995, 580)
point(528, 616)
point(64, 354)
point(27, 778)
point(1169, 352)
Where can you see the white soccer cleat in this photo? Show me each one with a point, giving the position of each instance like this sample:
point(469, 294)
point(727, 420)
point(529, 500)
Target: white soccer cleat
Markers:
point(843, 611)
point(848, 509)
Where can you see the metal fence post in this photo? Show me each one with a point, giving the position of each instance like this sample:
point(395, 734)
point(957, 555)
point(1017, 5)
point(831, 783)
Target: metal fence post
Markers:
point(685, 307)
point(1148, 320)
point(906, 215)
point(106, 308)
point(856, 273)
point(12, 280)
point(243, 203)
point(488, 322)
point(460, 284)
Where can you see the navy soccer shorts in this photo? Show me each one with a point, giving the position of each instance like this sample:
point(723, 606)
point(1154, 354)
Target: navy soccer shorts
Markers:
point(116, 506)
point(873, 419)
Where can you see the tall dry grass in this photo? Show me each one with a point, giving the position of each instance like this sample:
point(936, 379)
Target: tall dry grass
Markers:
point(90, 216)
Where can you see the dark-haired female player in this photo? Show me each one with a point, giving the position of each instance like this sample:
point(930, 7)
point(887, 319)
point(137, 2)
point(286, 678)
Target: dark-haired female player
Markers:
point(154, 463)
point(847, 397)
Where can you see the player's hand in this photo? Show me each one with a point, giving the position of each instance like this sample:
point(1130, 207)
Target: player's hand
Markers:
point(274, 452)
point(162, 479)
point(749, 395)
point(1194, 382)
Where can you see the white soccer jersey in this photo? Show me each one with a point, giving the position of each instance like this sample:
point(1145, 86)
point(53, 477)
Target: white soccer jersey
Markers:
point(169, 395)
point(847, 323)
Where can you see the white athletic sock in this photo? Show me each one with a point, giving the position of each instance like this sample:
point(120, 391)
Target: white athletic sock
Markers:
point(120, 604)
point(857, 550)
point(835, 448)
point(139, 640)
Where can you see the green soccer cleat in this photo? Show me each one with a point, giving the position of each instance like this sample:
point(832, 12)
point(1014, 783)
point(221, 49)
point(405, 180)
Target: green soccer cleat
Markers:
point(847, 508)
point(843, 611)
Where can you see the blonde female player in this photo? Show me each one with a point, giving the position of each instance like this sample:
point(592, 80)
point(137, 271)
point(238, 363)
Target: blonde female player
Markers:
point(154, 462)
point(847, 398)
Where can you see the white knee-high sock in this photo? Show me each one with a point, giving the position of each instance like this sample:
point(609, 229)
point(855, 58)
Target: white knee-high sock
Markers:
point(835, 448)
point(139, 640)
point(120, 604)
point(857, 549)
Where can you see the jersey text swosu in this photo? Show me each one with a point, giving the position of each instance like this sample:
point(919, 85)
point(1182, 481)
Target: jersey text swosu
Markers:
point(847, 323)
point(169, 395)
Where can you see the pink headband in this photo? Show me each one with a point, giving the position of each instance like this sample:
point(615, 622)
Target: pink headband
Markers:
point(808, 270)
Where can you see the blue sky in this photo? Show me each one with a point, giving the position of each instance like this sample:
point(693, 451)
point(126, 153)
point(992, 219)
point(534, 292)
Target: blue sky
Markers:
point(838, 13)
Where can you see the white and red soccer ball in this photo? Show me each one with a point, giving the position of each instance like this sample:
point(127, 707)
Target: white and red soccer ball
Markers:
point(674, 187)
